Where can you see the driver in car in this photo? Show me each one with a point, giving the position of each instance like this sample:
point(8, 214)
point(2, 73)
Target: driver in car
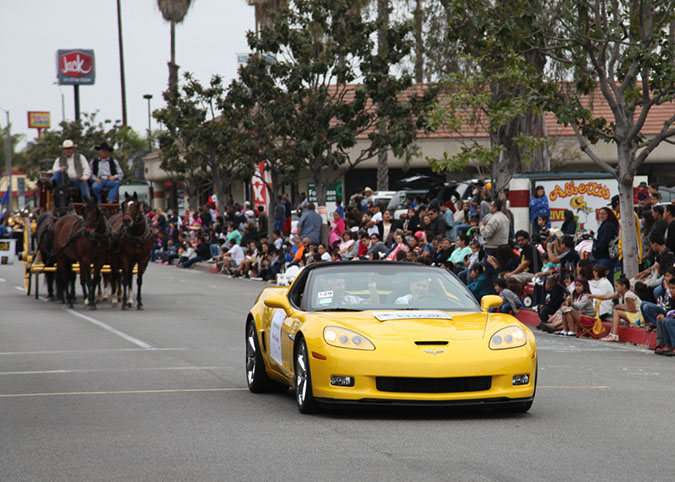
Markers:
point(419, 288)
point(336, 294)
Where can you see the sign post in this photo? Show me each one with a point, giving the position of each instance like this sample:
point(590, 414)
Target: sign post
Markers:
point(39, 121)
point(75, 67)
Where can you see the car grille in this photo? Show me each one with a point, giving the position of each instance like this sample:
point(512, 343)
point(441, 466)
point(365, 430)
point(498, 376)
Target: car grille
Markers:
point(433, 385)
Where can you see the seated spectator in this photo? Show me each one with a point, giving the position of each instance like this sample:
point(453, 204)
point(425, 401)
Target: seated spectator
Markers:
point(578, 308)
point(376, 248)
point(512, 302)
point(461, 250)
point(399, 246)
point(337, 228)
point(530, 260)
point(600, 285)
point(628, 309)
point(668, 325)
point(480, 286)
point(544, 233)
point(346, 245)
point(202, 253)
point(651, 311)
point(231, 259)
point(188, 253)
point(555, 297)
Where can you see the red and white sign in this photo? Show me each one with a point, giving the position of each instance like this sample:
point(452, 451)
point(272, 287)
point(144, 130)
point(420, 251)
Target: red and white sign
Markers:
point(259, 186)
point(76, 67)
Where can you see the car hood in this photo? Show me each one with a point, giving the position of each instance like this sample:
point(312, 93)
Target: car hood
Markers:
point(462, 326)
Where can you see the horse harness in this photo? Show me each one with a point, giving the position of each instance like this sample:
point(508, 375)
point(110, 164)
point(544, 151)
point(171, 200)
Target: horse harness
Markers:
point(125, 232)
point(89, 233)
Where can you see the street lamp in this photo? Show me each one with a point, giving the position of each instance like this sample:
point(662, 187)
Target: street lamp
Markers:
point(148, 97)
point(8, 159)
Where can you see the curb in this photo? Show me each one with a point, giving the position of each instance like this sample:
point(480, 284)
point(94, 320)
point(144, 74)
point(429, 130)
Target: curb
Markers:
point(627, 334)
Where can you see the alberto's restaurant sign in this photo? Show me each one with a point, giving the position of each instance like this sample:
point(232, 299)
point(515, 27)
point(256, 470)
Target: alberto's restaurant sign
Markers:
point(75, 67)
point(583, 197)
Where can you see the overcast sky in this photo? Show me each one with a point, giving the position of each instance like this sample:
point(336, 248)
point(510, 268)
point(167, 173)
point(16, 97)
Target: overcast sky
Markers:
point(31, 31)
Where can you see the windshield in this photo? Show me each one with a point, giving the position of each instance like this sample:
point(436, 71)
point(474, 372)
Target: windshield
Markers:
point(393, 286)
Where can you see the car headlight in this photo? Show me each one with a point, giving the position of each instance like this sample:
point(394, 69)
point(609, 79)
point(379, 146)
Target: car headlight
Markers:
point(343, 338)
point(511, 337)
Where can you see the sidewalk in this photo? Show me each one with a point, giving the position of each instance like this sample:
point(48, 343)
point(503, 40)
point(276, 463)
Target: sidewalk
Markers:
point(627, 334)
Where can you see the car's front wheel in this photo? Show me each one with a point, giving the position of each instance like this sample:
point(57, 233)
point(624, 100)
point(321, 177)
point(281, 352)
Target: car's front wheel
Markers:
point(256, 375)
point(303, 379)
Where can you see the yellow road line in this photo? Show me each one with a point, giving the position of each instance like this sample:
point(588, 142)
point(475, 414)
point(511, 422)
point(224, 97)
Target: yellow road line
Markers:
point(573, 386)
point(120, 392)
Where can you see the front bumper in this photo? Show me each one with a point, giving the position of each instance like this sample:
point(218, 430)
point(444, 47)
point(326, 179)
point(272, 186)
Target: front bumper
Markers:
point(399, 360)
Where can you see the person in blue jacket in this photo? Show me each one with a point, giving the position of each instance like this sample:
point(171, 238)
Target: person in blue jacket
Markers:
point(608, 230)
point(539, 207)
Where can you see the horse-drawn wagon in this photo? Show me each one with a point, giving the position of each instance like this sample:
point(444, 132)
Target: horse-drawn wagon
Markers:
point(71, 234)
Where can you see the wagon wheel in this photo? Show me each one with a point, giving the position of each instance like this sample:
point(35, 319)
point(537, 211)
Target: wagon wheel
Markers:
point(27, 276)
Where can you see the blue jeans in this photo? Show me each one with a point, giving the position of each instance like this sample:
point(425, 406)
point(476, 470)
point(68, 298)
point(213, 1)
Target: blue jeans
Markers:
point(649, 312)
point(192, 261)
point(278, 224)
point(668, 326)
point(78, 184)
point(112, 186)
point(659, 291)
point(215, 250)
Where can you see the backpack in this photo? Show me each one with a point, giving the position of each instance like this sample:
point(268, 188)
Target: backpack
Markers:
point(613, 248)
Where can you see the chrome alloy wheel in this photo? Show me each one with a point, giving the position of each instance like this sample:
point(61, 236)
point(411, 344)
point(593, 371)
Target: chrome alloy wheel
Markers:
point(251, 353)
point(301, 374)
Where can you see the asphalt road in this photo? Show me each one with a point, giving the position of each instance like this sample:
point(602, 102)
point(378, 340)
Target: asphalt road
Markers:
point(160, 395)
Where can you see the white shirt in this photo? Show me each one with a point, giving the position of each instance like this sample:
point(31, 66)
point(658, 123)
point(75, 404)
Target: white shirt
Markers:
point(602, 287)
point(325, 256)
point(70, 161)
point(237, 254)
point(377, 217)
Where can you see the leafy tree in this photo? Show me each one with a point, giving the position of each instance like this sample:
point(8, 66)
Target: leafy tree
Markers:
point(202, 138)
point(86, 133)
point(493, 79)
point(330, 79)
point(625, 49)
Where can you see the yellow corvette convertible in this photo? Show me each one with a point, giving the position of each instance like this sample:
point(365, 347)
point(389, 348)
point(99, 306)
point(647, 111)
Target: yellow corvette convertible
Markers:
point(387, 333)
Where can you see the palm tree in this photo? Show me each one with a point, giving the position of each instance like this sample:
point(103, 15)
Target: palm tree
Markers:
point(173, 11)
point(263, 8)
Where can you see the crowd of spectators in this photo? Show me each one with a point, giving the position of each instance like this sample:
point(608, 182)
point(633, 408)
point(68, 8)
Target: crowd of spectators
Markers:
point(474, 238)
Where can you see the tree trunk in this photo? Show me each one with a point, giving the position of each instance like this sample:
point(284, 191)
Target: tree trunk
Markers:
point(418, 19)
point(382, 170)
point(173, 68)
point(382, 155)
point(629, 241)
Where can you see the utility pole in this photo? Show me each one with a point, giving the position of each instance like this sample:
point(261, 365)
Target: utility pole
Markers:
point(8, 159)
point(148, 97)
point(122, 78)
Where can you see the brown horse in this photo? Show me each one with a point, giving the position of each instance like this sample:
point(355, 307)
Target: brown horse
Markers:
point(84, 240)
point(45, 232)
point(132, 237)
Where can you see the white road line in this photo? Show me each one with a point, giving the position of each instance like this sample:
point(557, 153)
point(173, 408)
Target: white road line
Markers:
point(98, 370)
point(115, 331)
point(70, 352)
point(20, 288)
point(2, 280)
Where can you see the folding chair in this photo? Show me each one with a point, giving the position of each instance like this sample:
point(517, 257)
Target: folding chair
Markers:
point(595, 329)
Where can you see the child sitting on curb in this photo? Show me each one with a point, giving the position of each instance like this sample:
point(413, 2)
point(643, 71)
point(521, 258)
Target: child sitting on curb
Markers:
point(628, 309)
point(511, 300)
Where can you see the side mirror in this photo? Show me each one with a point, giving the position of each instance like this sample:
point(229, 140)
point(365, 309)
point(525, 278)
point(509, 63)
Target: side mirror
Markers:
point(280, 301)
point(490, 301)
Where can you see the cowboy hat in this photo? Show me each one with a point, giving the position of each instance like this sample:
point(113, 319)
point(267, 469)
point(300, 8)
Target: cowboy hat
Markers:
point(67, 144)
point(104, 147)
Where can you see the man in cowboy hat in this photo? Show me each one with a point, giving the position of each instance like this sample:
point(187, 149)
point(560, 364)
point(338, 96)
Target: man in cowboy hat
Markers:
point(106, 173)
point(74, 166)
